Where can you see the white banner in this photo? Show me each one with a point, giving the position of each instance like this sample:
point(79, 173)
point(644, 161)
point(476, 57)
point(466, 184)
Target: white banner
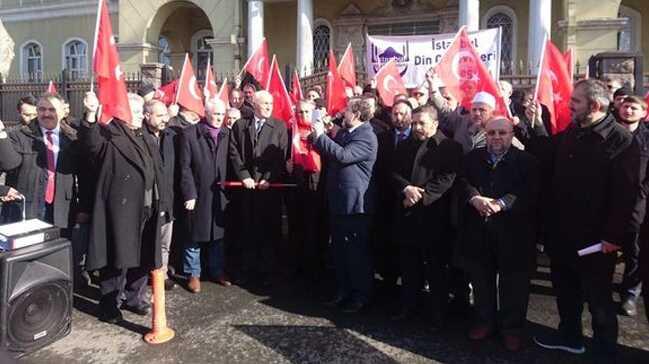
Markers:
point(416, 54)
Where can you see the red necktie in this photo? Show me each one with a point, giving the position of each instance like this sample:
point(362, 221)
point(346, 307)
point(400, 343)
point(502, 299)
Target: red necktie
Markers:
point(49, 189)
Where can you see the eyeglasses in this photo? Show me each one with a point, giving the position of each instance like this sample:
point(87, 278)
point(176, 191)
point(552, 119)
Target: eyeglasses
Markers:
point(499, 132)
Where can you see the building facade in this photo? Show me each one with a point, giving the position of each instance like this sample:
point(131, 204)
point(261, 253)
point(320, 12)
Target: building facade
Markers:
point(52, 35)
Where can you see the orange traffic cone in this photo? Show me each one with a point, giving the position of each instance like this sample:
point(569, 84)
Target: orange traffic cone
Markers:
point(160, 333)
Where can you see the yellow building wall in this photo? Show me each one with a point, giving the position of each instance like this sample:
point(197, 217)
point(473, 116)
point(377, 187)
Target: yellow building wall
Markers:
point(642, 6)
point(280, 28)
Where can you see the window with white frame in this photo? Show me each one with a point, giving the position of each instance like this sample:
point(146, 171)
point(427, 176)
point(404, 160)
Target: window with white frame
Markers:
point(628, 38)
point(321, 44)
point(32, 61)
point(76, 58)
point(506, 23)
point(164, 56)
point(201, 52)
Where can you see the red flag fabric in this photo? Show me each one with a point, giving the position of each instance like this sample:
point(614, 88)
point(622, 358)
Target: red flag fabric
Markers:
point(257, 64)
point(224, 93)
point(569, 56)
point(296, 89)
point(336, 97)
point(209, 89)
point(302, 152)
point(347, 67)
point(51, 88)
point(188, 93)
point(389, 83)
point(554, 87)
point(167, 93)
point(110, 78)
point(463, 74)
point(282, 105)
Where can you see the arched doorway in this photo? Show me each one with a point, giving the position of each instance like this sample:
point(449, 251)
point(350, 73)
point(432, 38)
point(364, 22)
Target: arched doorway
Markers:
point(173, 30)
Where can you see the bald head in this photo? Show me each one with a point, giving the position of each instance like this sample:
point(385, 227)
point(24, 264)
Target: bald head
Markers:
point(500, 133)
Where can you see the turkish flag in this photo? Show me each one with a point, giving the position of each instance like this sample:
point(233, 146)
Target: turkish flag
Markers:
point(464, 74)
point(554, 87)
point(336, 97)
point(347, 67)
point(282, 105)
point(167, 92)
point(569, 56)
point(110, 78)
point(257, 64)
point(188, 94)
point(209, 89)
point(51, 88)
point(389, 83)
point(224, 93)
point(296, 89)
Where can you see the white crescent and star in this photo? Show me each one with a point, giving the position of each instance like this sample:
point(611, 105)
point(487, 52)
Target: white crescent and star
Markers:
point(455, 63)
point(118, 72)
point(260, 65)
point(192, 88)
point(387, 80)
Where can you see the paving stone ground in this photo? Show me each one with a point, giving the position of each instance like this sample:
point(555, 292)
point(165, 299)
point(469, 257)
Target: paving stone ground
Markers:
point(286, 324)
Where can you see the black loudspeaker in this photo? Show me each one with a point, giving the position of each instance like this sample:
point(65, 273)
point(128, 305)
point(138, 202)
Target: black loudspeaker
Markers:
point(35, 296)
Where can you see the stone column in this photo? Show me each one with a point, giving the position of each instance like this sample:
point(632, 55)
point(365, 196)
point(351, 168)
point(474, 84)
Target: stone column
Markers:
point(470, 14)
point(255, 24)
point(540, 25)
point(304, 58)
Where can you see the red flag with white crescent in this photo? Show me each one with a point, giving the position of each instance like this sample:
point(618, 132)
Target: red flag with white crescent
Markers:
point(167, 92)
point(296, 88)
point(257, 64)
point(111, 85)
point(224, 93)
point(209, 88)
point(347, 67)
point(554, 87)
point(336, 97)
point(569, 56)
point(463, 73)
point(282, 104)
point(188, 94)
point(389, 83)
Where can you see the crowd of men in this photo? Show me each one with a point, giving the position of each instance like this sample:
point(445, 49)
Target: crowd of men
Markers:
point(445, 198)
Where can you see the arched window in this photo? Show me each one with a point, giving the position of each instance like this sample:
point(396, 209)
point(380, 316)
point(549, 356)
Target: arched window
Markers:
point(75, 54)
point(628, 39)
point(201, 52)
point(505, 18)
point(164, 55)
point(321, 44)
point(32, 61)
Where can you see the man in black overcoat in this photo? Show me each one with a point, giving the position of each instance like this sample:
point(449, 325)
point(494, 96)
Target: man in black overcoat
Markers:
point(592, 195)
point(258, 154)
point(498, 194)
point(203, 163)
point(124, 238)
point(424, 168)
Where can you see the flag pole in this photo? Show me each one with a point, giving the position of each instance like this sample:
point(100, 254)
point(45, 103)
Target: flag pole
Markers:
point(349, 45)
point(207, 69)
point(541, 59)
point(94, 44)
point(271, 68)
point(180, 81)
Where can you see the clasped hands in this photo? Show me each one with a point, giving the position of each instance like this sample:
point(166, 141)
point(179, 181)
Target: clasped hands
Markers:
point(485, 206)
point(412, 195)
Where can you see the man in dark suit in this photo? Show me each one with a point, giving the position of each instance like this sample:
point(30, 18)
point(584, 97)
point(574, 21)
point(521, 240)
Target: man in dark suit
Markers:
point(203, 162)
point(124, 238)
point(156, 119)
point(42, 160)
point(238, 102)
point(258, 150)
point(350, 156)
point(594, 189)
point(385, 249)
point(498, 193)
point(423, 171)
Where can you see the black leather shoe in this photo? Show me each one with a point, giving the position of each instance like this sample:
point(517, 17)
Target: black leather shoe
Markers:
point(169, 284)
point(354, 307)
point(141, 310)
point(112, 317)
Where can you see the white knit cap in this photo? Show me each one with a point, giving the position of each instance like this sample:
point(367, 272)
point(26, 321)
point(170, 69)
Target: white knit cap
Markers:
point(485, 98)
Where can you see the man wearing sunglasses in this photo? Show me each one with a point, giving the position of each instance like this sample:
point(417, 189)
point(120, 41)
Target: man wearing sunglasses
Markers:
point(498, 192)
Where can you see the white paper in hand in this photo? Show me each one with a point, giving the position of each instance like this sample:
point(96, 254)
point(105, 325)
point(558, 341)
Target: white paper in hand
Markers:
point(595, 248)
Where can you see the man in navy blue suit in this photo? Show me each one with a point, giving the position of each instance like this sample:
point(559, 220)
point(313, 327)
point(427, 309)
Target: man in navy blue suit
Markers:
point(351, 155)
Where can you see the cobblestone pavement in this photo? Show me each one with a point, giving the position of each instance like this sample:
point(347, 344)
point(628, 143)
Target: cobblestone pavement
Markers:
point(289, 325)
